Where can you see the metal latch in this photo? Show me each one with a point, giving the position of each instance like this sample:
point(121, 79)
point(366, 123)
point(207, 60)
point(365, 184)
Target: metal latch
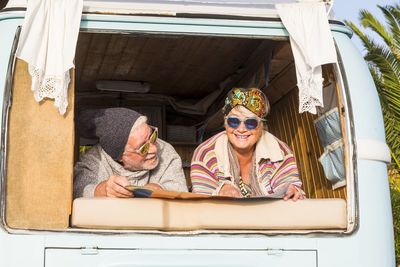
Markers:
point(89, 251)
point(275, 252)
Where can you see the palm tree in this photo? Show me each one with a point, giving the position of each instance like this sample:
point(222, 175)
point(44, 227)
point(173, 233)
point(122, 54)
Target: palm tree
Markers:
point(383, 59)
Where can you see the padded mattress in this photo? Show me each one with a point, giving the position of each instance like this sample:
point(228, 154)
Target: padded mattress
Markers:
point(208, 214)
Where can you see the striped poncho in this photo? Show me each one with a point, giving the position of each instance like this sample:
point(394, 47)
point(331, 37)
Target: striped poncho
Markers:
point(276, 167)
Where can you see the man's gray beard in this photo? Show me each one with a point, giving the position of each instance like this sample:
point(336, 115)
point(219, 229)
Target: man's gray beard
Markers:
point(152, 166)
point(144, 167)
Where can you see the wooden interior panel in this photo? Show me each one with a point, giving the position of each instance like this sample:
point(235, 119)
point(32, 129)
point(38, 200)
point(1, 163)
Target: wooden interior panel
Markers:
point(186, 154)
point(299, 132)
point(39, 158)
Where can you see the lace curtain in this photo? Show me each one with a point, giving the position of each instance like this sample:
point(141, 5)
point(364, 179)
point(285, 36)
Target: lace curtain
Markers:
point(47, 43)
point(312, 46)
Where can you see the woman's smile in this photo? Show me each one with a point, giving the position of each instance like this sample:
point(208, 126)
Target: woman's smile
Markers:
point(241, 137)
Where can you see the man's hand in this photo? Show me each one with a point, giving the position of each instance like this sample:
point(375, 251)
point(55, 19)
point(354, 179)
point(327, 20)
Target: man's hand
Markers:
point(228, 190)
point(293, 193)
point(153, 186)
point(113, 187)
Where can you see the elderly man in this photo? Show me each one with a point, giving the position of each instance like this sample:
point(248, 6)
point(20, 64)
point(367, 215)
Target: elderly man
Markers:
point(128, 153)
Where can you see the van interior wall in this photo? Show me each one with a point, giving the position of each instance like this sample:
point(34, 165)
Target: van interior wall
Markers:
point(39, 158)
point(298, 130)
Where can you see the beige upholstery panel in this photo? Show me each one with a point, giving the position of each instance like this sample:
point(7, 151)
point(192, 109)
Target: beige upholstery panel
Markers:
point(40, 159)
point(207, 214)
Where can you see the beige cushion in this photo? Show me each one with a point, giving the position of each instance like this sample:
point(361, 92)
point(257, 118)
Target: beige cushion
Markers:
point(207, 214)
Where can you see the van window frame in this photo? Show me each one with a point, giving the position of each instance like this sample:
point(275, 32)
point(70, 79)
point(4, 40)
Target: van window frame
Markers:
point(130, 24)
point(349, 139)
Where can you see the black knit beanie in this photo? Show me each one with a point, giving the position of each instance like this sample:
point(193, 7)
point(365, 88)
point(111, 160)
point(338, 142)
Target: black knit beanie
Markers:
point(110, 126)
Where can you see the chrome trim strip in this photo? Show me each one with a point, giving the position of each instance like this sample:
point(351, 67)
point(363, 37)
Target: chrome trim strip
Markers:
point(243, 233)
point(351, 160)
point(7, 100)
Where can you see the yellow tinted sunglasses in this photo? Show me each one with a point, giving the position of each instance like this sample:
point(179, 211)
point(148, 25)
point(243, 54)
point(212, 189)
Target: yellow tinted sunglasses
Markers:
point(144, 149)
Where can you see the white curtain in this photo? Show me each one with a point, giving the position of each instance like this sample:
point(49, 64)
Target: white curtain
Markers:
point(47, 43)
point(312, 46)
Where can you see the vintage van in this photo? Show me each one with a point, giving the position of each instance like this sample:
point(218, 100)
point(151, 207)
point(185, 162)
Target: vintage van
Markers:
point(174, 61)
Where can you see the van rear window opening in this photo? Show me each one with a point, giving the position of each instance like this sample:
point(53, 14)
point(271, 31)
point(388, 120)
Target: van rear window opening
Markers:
point(180, 83)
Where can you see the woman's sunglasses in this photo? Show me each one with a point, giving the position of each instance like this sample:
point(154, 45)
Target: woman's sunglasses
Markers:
point(249, 123)
point(144, 149)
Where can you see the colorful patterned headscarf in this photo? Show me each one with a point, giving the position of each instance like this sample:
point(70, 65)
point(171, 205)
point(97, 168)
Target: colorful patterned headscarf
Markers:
point(251, 98)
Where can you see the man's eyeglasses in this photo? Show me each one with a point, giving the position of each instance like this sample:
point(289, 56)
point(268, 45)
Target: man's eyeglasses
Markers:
point(144, 149)
point(250, 123)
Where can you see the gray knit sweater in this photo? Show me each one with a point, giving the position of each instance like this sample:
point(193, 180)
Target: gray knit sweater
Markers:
point(96, 166)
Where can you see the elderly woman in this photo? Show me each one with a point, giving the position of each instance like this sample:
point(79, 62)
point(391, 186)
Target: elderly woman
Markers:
point(245, 160)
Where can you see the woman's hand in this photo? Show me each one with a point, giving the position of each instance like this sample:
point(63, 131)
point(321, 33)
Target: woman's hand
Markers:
point(113, 187)
point(293, 193)
point(228, 190)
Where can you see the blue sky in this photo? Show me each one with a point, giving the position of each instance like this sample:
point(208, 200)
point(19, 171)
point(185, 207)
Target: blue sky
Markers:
point(349, 9)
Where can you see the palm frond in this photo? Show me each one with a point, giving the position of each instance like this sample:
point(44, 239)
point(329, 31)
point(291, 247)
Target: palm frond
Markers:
point(369, 21)
point(382, 65)
point(392, 17)
point(387, 64)
point(367, 42)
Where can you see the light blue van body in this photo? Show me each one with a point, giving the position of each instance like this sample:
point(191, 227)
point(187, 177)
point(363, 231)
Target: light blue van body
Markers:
point(370, 243)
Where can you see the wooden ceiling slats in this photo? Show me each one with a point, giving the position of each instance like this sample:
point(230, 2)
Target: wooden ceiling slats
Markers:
point(120, 59)
point(193, 67)
point(157, 73)
point(95, 55)
point(173, 64)
point(282, 76)
point(112, 57)
point(142, 59)
point(283, 83)
point(189, 46)
point(128, 60)
point(257, 58)
point(207, 75)
point(235, 54)
point(282, 57)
